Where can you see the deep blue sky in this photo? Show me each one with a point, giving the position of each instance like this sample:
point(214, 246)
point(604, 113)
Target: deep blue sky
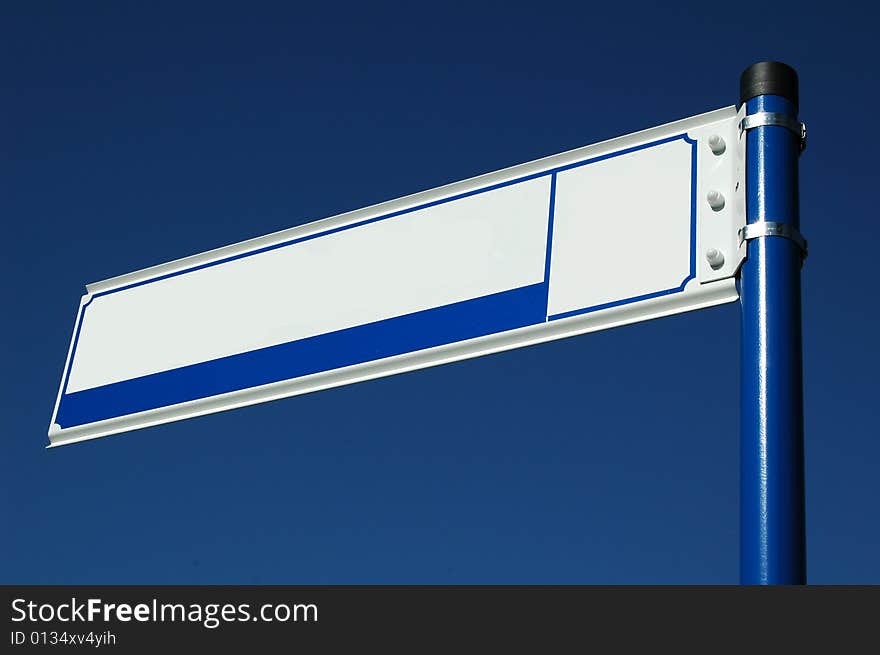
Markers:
point(136, 133)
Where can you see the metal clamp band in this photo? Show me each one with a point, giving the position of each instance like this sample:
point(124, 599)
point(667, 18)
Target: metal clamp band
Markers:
point(765, 118)
point(772, 229)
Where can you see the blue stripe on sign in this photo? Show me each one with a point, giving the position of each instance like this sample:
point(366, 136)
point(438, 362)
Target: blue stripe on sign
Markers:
point(469, 319)
point(548, 253)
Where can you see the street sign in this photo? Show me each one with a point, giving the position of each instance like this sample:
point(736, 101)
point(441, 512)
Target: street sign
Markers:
point(626, 230)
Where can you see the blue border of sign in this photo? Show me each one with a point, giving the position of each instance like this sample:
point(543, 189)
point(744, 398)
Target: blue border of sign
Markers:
point(453, 323)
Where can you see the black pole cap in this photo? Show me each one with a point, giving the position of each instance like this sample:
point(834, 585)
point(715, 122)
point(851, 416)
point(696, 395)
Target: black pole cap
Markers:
point(769, 77)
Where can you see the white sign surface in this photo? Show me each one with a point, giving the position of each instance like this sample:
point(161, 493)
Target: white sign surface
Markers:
point(589, 239)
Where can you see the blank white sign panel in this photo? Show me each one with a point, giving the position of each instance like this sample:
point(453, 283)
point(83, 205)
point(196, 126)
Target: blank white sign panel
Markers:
point(352, 277)
point(644, 197)
point(600, 236)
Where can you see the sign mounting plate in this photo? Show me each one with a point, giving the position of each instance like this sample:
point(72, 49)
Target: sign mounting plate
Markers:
point(593, 238)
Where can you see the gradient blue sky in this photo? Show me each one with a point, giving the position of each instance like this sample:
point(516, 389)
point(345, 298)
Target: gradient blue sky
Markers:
point(136, 133)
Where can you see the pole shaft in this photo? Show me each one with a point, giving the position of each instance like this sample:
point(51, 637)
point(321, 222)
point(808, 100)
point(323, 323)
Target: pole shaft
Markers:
point(772, 539)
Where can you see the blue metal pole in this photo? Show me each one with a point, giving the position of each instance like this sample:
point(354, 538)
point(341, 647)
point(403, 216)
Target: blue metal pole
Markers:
point(772, 540)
